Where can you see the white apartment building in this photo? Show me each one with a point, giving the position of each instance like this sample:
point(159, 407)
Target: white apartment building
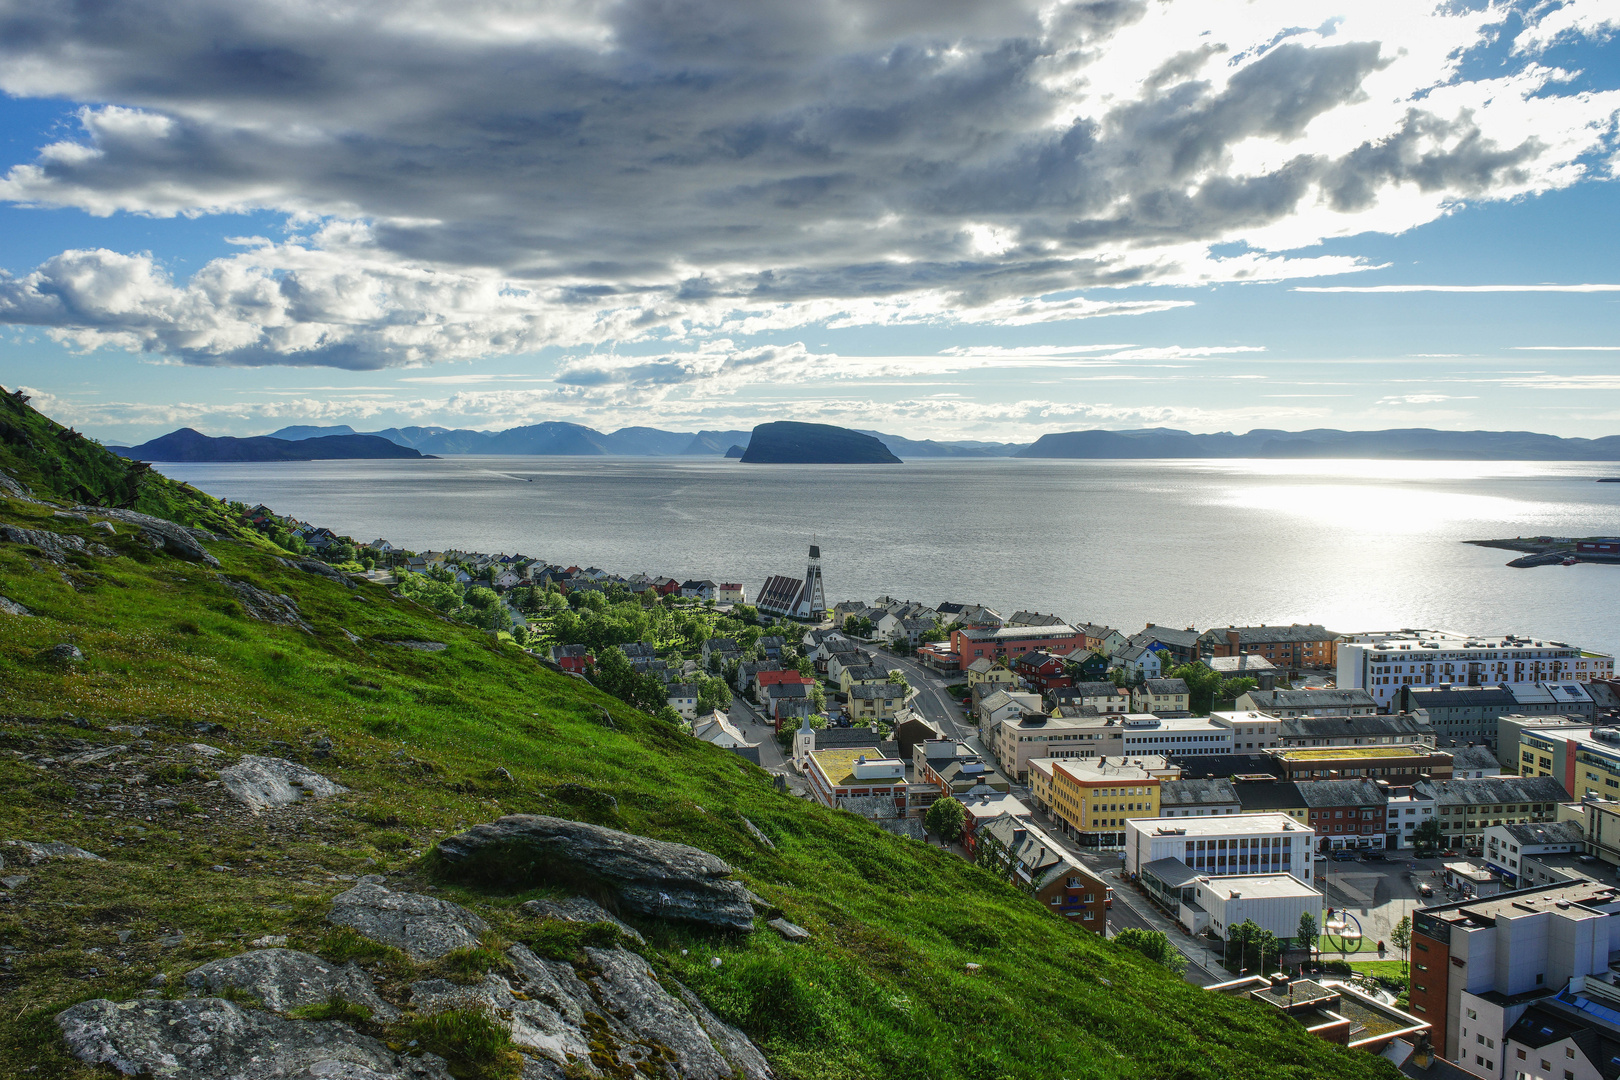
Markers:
point(1382, 662)
point(1406, 812)
point(1182, 736)
point(1223, 846)
point(1249, 730)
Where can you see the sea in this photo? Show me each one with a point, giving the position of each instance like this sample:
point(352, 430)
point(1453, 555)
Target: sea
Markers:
point(1353, 545)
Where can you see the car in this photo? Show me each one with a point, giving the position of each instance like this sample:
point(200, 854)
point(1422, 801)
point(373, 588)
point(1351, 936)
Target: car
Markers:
point(1343, 855)
point(1425, 889)
point(1373, 855)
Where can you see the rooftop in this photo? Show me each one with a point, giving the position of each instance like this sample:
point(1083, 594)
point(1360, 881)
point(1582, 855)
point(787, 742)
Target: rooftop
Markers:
point(839, 766)
point(1589, 896)
point(1253, 886)
point(1344, 753)
point(1225, 825)
point(1113, 770)
point(1021, 633)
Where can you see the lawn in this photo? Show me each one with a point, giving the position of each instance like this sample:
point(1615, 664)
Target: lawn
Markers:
point(1381, 969)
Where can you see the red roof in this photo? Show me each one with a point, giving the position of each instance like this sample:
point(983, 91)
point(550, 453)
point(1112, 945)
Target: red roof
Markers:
point(771, 678)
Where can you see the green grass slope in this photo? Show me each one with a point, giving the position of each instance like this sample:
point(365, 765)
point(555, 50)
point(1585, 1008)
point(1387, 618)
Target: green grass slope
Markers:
point(880, 991)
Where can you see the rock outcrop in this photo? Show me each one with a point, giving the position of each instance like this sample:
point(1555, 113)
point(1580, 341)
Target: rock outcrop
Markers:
point(318, 568)
point(11, 607)
point(213, 1039)
point(652, 877)
point(55, 546)
point(277, 608)
point(579, 910)
point(265, 783)
point(424, 927)
point(35, 853)
point(177, 540)
point(14, 488)
point(284, 979)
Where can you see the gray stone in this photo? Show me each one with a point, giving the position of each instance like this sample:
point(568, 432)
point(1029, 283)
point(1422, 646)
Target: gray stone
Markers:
point(37, 853)
point(285, 979)
point(757, 834)
point(420, 646)
point(536, 1024)
point(14, 488)
point(65, 653)
point(165, 535)
point(791, 931)
point(580, 910)
point(55, 546)
point(277, 608)
point(425, 927)
point(733, 1045)
point(318, 568)
point(629, 990)
point(265, 783)
point(90, 757)
point(11, 607)
point(651, 877)
point(14, 881)
point(203, 749)
point(213, 1039)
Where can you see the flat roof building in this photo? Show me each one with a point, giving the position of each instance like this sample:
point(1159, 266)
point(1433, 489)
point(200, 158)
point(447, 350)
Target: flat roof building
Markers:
point(1384, 661)
point(1223, 846)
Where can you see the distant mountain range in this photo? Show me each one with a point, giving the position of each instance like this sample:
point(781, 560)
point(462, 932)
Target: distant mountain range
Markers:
point(190, 445)
point(786, 442)
point(1399, 443)
point(557, 437)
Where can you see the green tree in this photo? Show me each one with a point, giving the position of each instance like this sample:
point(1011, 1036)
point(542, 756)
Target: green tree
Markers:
point(857, 626)
point(1400, 936)
point(1305, 937)
point(900, 643)
point(898, 678)
point(1248, 945)
point(944, 819)
point(806, 667)
point(713, 694)
point(1155, 945)
point(936, 633)
point(1426, 838)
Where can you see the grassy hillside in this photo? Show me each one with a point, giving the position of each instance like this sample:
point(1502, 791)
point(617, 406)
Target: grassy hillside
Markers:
point(418, 738)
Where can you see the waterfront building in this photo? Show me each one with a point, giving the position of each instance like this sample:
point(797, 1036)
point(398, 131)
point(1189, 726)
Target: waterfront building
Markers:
point(1383, 662)
point(1297, 645)
point(972, 643)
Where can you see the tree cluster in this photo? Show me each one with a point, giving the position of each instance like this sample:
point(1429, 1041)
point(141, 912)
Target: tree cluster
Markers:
point(1153, 944)
point(1208, 689)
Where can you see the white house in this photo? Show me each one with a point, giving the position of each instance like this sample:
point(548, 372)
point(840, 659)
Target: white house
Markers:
point(1139, 662)
point(683, 698)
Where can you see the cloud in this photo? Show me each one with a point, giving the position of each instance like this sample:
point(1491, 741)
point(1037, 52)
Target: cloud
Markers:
point(484, 178)
point(1423, 399)
point(1566, 348)
point(1457, 288)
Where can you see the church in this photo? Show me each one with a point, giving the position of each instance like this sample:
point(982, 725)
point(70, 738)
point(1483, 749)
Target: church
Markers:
point(795, 598)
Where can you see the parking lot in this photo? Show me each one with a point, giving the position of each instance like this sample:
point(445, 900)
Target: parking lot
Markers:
point(1380, 893)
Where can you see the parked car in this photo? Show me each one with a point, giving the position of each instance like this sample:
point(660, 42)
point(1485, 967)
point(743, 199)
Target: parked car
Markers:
point(1373, 855)
point(1343, 855)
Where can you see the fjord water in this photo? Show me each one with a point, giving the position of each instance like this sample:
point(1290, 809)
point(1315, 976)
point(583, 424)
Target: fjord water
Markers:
point(1355, 545)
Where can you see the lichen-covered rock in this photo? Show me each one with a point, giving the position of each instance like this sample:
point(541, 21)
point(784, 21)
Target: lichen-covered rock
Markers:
point(55, 546)
point(265, 783)
point(37, 853)
point(11, 607)
point(580, 910)
point(284, 979)
point(213, 1039)
point(276, 608)
point(550, 1025)
point(652, 877)
point(734, 1046)
point(166, 535)
point(14, 488)
point(318, 568)
point(64, 653)
point(421, 646)
point(630, 991)
point(425, 927)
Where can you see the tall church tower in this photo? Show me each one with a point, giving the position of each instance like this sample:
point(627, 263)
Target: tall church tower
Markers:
point(813, 601)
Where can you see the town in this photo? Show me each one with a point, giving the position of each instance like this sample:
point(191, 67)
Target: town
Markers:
point(1330, 823)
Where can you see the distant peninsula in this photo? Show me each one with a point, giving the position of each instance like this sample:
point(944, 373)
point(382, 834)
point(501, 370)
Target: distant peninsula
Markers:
point(191, 445)
point(787, 442)
point(1410, 444)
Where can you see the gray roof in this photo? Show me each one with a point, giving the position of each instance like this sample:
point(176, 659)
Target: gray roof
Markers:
point(1243, 664)
point(1165, 686)
point(1173, 872)
point(1184, 793)
point(1254, 635)
point(1455, 697)
point(858, 672)
point(1257, 796)
point(882, 691)
point(1319, 793)
point(1546, 832)
point(1181, 639)
point(1095, 689)
point(787, 690)
point(850, 738)
point(1314, 698)
point(681, 690)
point(1474, 757)
point(1034, 618)
point(1494, 789)
point(1339, 727)
point(636, 649)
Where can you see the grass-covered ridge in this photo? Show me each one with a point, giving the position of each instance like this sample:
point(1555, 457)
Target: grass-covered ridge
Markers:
point(880, 991)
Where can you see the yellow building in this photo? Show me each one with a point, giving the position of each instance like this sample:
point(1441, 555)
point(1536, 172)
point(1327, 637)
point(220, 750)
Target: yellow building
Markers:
point(1093, 798)
point(865, 675)
point(983, 671)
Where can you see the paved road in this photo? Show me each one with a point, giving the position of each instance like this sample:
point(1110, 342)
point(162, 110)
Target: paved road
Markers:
point(758, 730)
point(932, 701)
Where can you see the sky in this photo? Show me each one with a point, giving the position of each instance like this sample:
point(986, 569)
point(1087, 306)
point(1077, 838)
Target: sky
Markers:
point(972, 219)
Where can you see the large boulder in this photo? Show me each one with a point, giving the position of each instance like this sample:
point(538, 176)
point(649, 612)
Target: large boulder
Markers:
point(213, 1039)
point(265, 783)
point(278, 608)
point(177, 540)
point(284, 979)
point(652, 877)
point(55, 546)
point(11, 607)
point(425, 927)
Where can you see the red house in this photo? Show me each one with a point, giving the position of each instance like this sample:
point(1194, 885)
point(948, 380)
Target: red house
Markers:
point(1599, 545)
point(572, 658)
point(974, 643)
point(1043, 671)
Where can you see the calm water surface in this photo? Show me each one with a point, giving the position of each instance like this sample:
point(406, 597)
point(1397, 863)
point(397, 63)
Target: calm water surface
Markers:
point(1353, 545)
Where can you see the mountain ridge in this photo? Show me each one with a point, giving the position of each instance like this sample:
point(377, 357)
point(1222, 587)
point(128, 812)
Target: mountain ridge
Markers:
point(1414, 444)
point(188, 444)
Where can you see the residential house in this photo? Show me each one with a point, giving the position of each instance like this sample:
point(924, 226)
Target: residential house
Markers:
point(683, 698)
point(765, 679)
point(1161, 696)
point(1092, 667)
point(840, 659)
point(730, 592)
point(1139, 662)
point(950, 612)
point(914, 628)
point(1042, 671)
point(1468, 807)
point(572, 658)
point(1103, 640)
point(748, 673)
point(381, 546)
point(1298, 645)
point(978, 615)
point(503, 580)
point(911, 730)
point(993, 705)
point(840, 774)
point(698, 590)
point(1022, 854)
point(980, 809)
point(785, 703)
point(639, 650)
point(1311, 702)
point(988, 671)
point(770, 646)
point(1178, 646)
point(1102, 695)
point(954, 768)
point(724, 648)
point(665, 586)
point(880, 702)
point(1345, 813)
point(1033, 618)
point(861, 675)
point(1510, 850)
point(718, 729)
